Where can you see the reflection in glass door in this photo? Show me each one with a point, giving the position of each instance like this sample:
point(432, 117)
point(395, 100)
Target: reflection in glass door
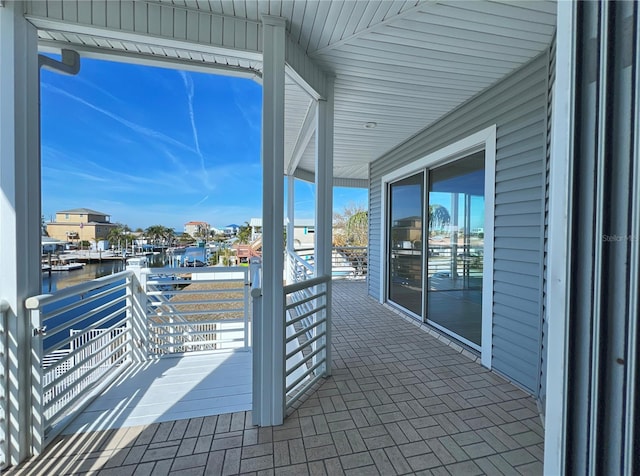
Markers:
point(456, 247)
point(406, 204)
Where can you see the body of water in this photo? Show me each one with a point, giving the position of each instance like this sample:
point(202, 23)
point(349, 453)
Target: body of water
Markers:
point(56, 280)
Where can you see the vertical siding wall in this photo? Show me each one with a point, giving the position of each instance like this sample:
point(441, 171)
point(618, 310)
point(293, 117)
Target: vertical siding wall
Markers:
point(518, 106)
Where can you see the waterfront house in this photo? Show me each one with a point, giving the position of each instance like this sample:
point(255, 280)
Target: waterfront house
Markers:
point(51, 245)
point(80, 224)
point(519, 118)
point(197, 229)
point(303, 231)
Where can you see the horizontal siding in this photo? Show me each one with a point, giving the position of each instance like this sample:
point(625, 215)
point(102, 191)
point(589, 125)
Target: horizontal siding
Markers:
point(518, 106)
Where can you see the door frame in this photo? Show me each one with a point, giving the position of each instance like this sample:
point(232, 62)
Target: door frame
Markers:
point(484, 139)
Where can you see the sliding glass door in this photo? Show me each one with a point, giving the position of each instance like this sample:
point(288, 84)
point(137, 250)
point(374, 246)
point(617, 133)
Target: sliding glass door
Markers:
point(436, 246)
point(406, 205)
point(456, 247)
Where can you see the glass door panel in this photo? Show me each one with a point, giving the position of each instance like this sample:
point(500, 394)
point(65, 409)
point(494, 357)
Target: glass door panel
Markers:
point(456, 247)
point(406, 199)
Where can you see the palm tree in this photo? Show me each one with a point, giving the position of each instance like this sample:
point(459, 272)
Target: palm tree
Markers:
point(116, 235)
point(244, 233)
point(168, 235)
point(155, 233)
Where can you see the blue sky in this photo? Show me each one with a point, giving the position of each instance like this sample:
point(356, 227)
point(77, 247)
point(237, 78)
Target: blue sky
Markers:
point(157, 146)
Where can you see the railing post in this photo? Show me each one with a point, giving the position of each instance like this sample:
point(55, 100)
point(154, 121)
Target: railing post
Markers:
point(246, 307)
point(137, 308)
point(139, 328)
point(258, 363)
point(37, 395)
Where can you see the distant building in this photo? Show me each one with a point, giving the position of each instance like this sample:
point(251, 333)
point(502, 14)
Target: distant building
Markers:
point(303, 231)
point(80, 224)
point(197, 229)
point(51, 245)
point(231, 230)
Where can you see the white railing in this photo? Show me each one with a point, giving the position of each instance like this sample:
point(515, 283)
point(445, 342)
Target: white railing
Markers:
point(299, 267)
point(201, 310)
point(81, 342)
point(306, 335)
point(4, 383)
point(346, 262)
point(85, 335)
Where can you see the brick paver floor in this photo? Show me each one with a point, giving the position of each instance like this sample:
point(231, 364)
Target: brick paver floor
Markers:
point(400, 401)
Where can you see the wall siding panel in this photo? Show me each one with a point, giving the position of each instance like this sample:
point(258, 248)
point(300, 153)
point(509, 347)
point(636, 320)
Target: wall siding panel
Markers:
point(517, 105)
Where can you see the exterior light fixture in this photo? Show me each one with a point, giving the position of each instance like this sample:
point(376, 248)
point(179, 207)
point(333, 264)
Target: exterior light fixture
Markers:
point(370, 125)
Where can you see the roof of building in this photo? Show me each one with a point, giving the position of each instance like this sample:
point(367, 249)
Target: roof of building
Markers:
point(85, 211)
point(47, 240)
point(77, 223)
point(196, 223)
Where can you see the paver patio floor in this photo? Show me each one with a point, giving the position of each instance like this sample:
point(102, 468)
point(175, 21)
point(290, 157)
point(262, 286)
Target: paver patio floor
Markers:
point(399, 401)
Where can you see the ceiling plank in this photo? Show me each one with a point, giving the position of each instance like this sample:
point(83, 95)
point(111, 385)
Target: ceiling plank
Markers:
point(370, 29)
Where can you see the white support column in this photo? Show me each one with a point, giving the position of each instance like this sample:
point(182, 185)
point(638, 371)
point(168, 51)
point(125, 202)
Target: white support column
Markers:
point(19, 211)
point(324, 200)
point(271, 398)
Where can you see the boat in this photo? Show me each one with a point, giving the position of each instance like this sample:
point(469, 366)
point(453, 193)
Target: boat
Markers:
point(67, 266)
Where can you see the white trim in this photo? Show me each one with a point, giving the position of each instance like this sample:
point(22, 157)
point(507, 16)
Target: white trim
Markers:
point(487, 263)
point(149, 59)
point(109, 33)
point(558, 255)
point(484, 139)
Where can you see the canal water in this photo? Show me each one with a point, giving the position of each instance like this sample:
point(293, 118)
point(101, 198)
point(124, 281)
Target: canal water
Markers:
point(84, 315)
point(56, 280)
point(102, 308)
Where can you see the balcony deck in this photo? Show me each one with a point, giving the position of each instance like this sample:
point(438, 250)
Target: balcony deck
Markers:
point(400, 401)
point(175, 387)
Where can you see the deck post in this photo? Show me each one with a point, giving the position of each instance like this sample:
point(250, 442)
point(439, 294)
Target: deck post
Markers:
point(270, 373)
point(20, 246)
point(324, 203)
point(37, 387)
point(137, 322)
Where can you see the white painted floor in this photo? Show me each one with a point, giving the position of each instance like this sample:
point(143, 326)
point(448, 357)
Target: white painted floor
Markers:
point(172, 388)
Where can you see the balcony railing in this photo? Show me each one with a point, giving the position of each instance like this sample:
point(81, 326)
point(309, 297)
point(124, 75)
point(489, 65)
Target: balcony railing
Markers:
point(305, 325)
point(346, 261)
point(85, 335)
point(305, 329)
point(207, 309)
point(81, 341)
